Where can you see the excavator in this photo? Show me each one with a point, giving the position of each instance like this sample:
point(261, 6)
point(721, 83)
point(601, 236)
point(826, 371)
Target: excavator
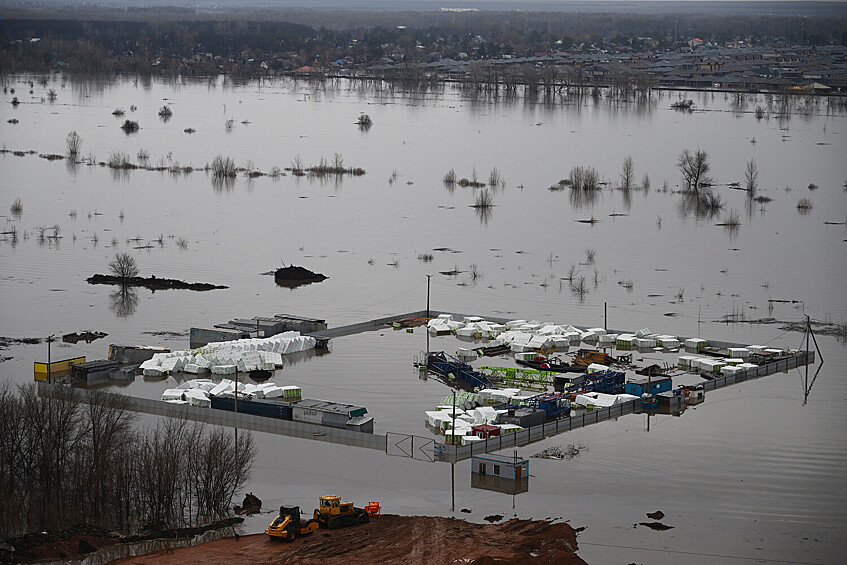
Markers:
point(332, 513)
point(287, 525)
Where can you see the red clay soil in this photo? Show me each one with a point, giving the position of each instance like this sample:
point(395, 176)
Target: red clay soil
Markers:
point(392, 539)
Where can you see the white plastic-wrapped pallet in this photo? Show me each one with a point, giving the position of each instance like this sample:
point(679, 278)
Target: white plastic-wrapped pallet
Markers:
point(196, 397)
point(695, 343)
point(642, 332)
point(573, 337)
point(739, 352)
point(598, 331)
point(150, 364)
point(224, 386)
point(513, 324)
point(152, 372)
point(223, 369)
point(560, 342)
point(596, 368)
point(588, 337)
point(608, 339)
point(540, 342)
point(173, 394)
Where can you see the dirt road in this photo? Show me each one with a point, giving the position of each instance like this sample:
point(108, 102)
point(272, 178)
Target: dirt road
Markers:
point(392, 539)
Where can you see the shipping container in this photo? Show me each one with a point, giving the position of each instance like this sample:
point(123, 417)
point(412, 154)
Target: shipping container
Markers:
point(332, 414)
point(57, 368)
point(270, 408)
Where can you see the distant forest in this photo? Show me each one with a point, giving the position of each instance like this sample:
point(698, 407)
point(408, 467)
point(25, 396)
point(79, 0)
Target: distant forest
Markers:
point(131, 39)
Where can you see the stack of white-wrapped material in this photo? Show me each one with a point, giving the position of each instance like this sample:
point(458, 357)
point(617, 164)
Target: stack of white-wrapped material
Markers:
point(608, 339)
point(668, 341)
point(600, 400)
point(222, 358)
point(484, 415)
point(596, 368)
point(695, 343)
point(225, 386)
point(172, 394)
point(197, 397)
point(438, 419)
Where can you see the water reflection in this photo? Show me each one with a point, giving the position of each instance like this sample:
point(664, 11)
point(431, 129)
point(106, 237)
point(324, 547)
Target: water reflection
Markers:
point(580, 199)
point(124, 301)
point(703, 204)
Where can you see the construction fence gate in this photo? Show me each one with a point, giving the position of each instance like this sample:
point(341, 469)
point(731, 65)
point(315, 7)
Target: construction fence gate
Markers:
point(412, 446)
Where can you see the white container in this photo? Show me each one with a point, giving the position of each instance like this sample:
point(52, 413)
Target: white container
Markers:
point(173, 394)
point(696, 343)
point(739, 352)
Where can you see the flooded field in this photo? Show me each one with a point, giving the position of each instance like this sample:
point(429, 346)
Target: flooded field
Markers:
point(754, 473)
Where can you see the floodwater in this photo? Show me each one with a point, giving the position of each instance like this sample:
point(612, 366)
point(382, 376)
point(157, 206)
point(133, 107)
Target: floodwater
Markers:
point(753, 474)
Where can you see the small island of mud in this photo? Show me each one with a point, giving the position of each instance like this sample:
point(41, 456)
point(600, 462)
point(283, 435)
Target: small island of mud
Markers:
point(294, 276)
point(153, 283)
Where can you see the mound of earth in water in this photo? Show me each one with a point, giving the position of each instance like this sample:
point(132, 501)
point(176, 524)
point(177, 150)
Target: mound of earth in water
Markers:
point(153, 283)
point(294, 276)
point(393, 539)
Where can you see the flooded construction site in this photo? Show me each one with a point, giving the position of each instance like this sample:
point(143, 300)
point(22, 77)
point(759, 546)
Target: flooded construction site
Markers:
point(613, 352)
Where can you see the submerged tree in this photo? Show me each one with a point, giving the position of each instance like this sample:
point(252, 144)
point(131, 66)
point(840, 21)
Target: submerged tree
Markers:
point(751, 177)
point(123, 266)
point(695, 169)
point(627, 174)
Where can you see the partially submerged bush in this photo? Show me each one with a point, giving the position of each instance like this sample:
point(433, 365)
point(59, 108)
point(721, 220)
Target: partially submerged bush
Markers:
point(120, 160)
point(165, 112)
point(17, 208)
point(223, 167)
point(584, 178)
point(73, 143)
point(130, 126)
point(449, 178)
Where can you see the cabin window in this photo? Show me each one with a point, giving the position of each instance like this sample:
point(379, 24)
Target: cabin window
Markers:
point(482, 468)
point(497, 470)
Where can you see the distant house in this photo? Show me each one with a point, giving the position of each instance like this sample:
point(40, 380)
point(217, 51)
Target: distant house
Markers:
point(307, 70)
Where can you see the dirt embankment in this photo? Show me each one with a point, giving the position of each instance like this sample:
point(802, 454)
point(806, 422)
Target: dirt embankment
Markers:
point(392, 539)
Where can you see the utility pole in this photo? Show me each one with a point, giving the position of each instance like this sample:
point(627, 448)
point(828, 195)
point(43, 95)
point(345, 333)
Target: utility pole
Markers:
point(50, 339)
point(428, 278)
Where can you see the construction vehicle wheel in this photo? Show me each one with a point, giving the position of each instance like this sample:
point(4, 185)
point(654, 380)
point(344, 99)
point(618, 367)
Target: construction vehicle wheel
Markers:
point(289, 535)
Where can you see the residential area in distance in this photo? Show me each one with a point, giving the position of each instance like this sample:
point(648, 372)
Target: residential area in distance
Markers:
point(541, 52)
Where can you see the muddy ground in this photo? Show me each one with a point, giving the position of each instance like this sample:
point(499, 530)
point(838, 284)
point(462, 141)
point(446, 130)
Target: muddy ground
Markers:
point(392, 539)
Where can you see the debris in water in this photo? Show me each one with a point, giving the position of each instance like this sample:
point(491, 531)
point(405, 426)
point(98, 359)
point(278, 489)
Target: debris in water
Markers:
point(493, 518)
point(568, 453)
point(657, 515)
point(87, 336)
point(658, 526)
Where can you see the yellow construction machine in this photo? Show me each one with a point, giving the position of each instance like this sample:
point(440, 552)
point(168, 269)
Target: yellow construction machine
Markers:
point(288, 525)
point(332, 513)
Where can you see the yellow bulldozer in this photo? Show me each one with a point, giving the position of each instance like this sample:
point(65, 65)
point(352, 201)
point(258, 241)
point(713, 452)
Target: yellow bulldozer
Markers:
point(288, 525)
point(332, 513)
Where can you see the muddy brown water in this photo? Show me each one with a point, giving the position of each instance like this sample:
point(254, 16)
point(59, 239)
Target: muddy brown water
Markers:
point(754, 472)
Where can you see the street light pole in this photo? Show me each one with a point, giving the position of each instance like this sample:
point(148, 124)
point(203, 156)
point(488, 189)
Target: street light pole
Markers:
point(50, 339)
point(428, 278)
